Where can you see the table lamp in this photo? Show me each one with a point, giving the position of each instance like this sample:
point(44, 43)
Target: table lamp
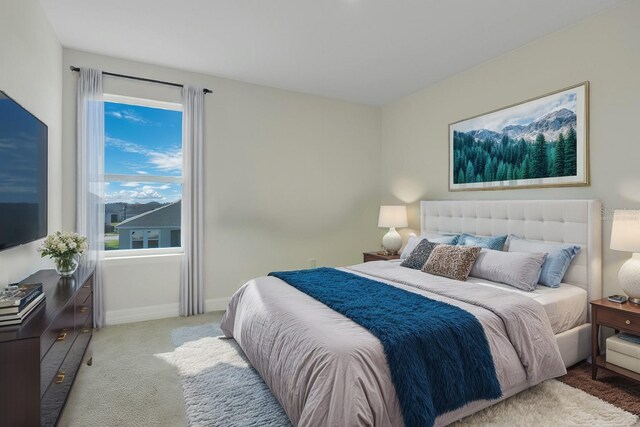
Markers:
point(625, 236)
point(392, 217)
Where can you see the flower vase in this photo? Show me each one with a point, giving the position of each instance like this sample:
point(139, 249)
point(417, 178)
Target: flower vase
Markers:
point(65, 267)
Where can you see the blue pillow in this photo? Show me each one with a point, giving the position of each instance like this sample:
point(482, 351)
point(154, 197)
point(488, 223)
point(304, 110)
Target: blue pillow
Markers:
point(490, 242)
point(559, 258)
point(446, 240)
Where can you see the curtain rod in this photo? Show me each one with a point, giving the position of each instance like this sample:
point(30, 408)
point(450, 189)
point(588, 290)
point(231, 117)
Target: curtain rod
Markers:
point(124, 76)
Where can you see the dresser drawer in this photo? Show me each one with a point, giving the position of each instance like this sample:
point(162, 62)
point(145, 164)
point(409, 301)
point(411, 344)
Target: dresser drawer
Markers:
point(619, 320)
point(85, 307)
point(85, 291)
point(53, 399)
point(64, 323)
point(61, 335)
point(84, 319)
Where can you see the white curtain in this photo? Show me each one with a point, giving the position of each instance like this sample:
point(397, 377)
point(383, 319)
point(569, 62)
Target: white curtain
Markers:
point(192, 280)
point(90, 179)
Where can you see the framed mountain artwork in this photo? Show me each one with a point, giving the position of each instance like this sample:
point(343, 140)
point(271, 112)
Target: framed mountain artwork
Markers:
point(542, 142)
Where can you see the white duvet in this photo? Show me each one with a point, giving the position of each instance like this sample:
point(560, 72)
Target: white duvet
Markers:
point(324, 369)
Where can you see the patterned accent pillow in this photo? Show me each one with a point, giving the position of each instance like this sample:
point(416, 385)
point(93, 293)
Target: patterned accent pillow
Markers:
point(414, 240)
point(490, 242)
point(419, 255)
point(454, 262)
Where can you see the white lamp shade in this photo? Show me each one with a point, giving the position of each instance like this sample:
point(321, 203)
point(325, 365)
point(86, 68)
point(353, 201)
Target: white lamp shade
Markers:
point(625, 232)
point(393, 216)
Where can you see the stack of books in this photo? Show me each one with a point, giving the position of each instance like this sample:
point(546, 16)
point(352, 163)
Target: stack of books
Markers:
point(16, 302)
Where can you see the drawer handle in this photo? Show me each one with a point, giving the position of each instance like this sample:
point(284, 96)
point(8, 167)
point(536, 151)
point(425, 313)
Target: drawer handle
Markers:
point(628, 322)
point(87, 286)
point(60, 377)
point(62, 335)
point(86, 330)
point(84, 309)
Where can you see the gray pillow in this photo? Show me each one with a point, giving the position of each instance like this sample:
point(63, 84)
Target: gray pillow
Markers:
point(419, 255)
point(454, 262)
point(518, 269)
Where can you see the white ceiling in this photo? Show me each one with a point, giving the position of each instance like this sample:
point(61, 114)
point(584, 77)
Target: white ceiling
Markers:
point(366, 51)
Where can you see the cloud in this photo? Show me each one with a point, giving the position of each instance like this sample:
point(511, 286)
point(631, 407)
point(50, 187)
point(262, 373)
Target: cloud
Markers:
point(169, 160)
point(148, 194)
point(156, 187)
point(128, 115)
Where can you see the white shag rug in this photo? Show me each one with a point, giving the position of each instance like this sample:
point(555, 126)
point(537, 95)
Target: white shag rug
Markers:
point(222, 389)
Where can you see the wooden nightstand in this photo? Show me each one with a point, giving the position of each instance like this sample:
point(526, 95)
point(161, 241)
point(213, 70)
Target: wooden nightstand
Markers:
point(378, 256)
point(621, 317)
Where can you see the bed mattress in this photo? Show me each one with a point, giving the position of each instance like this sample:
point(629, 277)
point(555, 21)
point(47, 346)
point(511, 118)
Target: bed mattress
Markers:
point(566, 305)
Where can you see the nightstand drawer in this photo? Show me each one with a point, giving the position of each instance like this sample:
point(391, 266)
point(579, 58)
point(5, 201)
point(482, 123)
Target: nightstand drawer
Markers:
point(619, 320)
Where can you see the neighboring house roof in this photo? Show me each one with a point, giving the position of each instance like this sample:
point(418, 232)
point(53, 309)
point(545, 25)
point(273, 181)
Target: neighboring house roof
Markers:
point(167, 216)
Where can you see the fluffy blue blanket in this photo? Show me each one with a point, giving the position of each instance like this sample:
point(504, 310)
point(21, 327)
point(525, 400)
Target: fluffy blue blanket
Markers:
point(438, 354)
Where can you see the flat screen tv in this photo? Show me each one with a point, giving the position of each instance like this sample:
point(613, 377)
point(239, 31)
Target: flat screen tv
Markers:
point(23, 175)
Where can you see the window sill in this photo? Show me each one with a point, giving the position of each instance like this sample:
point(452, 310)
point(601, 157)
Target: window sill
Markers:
point(142, 253)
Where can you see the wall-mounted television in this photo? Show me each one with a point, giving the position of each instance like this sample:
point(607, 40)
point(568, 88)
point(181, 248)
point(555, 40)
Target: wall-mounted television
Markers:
point(23, 175)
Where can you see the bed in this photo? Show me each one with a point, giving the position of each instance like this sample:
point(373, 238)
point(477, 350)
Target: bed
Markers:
point(324, 369)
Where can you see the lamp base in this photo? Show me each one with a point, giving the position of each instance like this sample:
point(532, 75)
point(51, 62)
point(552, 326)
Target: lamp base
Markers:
point(392, 241)
point(629, 278)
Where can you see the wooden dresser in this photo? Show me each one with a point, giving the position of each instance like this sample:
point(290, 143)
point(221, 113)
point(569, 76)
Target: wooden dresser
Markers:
point(40, 358)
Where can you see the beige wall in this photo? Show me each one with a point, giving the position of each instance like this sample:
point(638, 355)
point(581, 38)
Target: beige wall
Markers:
point(604, 50)
point(288, 177)
point(291, 177)
point(30, 72)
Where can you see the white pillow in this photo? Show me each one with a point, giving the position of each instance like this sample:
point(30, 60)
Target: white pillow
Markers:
point(518, 269)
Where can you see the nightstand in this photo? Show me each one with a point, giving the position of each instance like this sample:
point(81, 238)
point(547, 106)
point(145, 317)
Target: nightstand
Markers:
point(378, 256)
point(621, 317)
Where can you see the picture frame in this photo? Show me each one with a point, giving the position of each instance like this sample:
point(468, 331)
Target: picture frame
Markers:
point(537, 143)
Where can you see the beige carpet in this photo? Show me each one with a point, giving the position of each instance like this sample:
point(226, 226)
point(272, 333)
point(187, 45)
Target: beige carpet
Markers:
point(128, 385)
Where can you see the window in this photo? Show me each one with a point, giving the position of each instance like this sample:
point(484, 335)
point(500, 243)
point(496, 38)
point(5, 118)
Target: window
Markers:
point(145, 239)
point(143, 173)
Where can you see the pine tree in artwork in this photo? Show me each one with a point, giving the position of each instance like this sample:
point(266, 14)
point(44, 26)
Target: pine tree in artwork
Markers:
point(471, 172)
point(460, 177)
point(558, 167)
point(539, 160)
point(570, 153)
point(526, 169)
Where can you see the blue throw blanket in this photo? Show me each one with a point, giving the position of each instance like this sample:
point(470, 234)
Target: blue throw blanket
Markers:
point(438, 354)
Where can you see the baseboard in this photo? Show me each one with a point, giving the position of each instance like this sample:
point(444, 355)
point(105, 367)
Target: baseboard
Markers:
point(216, 304)
point(154, 312)
point(140, 314)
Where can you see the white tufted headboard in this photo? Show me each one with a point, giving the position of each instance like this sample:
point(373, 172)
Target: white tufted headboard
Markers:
point(567, 221)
